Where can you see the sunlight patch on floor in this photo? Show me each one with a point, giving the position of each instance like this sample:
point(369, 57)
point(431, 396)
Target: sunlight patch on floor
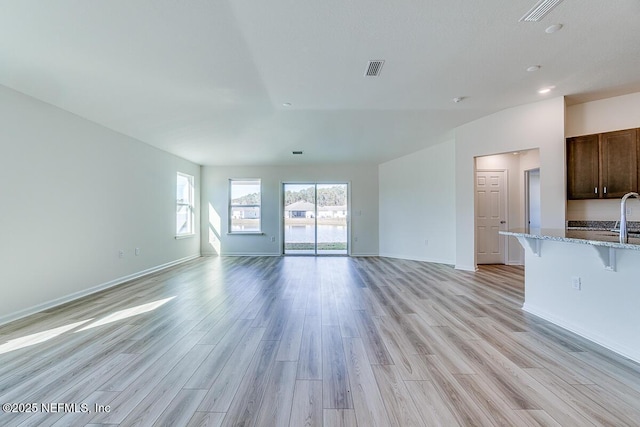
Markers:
point(38, 337)
point(126, 313)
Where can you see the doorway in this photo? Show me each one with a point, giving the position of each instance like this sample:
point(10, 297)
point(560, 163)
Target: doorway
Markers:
point(532, 199)
point(491, 216)
point(315, 218)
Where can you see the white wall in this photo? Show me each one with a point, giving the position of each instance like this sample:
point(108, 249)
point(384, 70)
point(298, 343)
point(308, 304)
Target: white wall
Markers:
point(601, 210)
point(73, 193)
point(215, 201)
point(605, 115)
point(538, 125)
point(620, 112)
point(417, 204)
point(605, 310)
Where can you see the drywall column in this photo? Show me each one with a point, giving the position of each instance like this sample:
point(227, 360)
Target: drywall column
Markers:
point(538, 125)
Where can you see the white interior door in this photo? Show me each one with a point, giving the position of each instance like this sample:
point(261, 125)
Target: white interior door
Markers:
point(491, 216)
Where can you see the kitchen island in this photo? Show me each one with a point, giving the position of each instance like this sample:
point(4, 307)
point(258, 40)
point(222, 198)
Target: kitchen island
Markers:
point(585, 281)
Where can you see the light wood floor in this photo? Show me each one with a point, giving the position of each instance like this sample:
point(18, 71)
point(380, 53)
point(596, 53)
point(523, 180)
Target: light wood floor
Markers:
point(313, 341)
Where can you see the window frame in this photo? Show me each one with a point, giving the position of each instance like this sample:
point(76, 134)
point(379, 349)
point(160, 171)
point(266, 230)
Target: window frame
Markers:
point(231, 206)
point(190, 204)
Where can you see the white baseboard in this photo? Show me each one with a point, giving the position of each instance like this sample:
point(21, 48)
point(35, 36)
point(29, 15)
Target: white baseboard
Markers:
point(239, 254)
point(576, 329)
point(250, 254)
point(466, 267)
point(414, 258)
point(76, 295)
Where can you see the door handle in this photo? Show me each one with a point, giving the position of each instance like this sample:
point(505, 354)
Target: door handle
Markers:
point(503, 222)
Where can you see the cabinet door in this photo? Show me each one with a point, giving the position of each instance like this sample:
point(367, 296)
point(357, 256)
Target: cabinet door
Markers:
point(582, 167)
point(618, 163)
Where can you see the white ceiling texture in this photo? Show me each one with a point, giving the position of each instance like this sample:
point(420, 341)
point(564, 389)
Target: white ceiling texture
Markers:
point(207, 80)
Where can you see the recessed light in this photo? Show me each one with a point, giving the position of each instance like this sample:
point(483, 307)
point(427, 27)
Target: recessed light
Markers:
point(546, 89)
point(515, 153)
point(553, 28)
point(533, 68)
point(286, 104)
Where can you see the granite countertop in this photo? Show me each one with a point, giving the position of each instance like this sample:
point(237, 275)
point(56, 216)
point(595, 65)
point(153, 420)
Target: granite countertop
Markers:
point(583, 235)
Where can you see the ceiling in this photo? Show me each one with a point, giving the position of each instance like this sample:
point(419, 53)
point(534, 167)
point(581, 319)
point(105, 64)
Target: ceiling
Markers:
point(207, 79)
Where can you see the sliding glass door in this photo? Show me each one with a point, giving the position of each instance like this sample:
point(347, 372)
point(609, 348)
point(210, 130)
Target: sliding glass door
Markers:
point(315, 219)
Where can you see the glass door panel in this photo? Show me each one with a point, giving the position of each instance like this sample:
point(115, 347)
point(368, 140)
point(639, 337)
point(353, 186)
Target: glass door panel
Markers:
point(299, 219)
point(331, 219)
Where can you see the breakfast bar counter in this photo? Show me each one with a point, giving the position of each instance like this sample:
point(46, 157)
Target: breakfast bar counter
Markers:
point(586, 281)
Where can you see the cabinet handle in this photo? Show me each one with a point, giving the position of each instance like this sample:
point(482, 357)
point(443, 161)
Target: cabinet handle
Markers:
point(596, 190)
point(605, 190)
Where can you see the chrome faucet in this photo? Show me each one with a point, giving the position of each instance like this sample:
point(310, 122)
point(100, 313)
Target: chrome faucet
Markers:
point(624, 235)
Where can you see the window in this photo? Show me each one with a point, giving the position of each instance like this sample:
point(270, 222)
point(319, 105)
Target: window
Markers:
point(244, 206)
point(184, 205)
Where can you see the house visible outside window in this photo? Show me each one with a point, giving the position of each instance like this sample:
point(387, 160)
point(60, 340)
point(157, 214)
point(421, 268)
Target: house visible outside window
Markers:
point(244, 206)
point(184, 205)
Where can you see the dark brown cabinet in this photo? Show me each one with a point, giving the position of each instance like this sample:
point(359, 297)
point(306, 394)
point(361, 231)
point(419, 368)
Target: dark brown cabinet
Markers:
point(582, 167)
point(603, 165)
point(618, 163)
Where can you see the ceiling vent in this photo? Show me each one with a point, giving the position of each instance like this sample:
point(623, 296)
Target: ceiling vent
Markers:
point(374, 67)
point(540, 10)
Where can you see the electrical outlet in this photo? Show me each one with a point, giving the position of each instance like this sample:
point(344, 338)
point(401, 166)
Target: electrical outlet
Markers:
point(426, 242)
point(120, 253)
point(576, 283)
point(273, 239)
point(355, 239)
point(137, 251)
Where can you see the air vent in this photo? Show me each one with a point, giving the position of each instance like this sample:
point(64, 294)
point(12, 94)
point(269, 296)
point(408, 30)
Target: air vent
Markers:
point(540, 10)
point(374, 67)
point(296, 152)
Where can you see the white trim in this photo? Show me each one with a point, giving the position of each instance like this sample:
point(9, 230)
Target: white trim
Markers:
point(420, 259)
point(80, 294)
point(576, 329)
point(466, 267)
point(250, 254)
point(245, 233)
point(185, 236)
